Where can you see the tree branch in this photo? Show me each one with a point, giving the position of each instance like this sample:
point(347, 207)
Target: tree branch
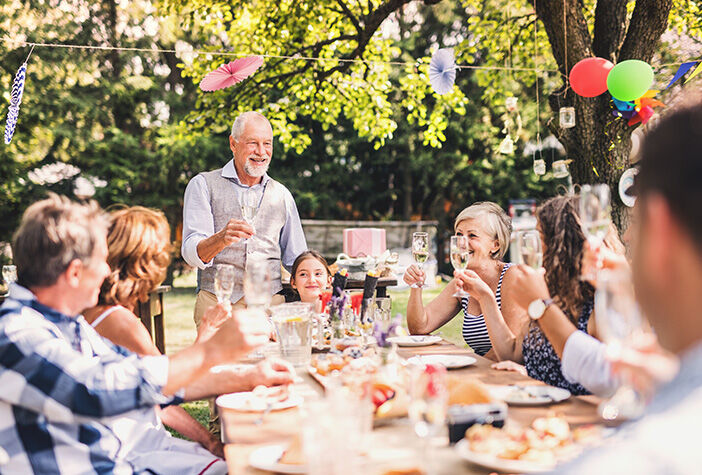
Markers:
point(610, 28)
point(350, 15)
point(579, 42)
point(648, 23)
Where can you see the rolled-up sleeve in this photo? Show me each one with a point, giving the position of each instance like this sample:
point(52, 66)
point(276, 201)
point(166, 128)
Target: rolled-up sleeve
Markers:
point(292, 237)
point(198, 222)
point(584, 362)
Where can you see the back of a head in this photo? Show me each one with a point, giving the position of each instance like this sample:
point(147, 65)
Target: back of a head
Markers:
point(53, 232)
point(671, 164)
point(139, 251)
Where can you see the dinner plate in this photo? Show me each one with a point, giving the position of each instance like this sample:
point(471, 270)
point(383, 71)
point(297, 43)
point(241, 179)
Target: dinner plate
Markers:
point(449, 361)
point(415, 340)
point(495, 463)
point(240, 402)
point(529, 395)
point(266, 458)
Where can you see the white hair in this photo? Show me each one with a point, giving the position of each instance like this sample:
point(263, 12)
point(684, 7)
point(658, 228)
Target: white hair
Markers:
point(497, 222)
point(241, 121)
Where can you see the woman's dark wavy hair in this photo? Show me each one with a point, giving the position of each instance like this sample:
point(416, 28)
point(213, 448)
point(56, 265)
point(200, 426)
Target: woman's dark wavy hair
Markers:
point(563, 253)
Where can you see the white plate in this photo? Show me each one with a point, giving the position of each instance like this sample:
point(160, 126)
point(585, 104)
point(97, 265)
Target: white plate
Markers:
point(239, 402)
point(266, 458)
point(450, 361)
point(496, 463)
point(537, 395)
point(415, 340)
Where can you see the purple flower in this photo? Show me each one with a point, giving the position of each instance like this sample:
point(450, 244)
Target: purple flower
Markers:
point(381, 335)
point(337, 305)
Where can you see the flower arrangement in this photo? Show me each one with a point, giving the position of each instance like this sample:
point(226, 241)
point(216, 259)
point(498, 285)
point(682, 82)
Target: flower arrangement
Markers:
point(382, 331)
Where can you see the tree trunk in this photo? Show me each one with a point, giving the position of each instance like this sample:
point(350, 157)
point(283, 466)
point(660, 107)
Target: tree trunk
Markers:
point(599, 144)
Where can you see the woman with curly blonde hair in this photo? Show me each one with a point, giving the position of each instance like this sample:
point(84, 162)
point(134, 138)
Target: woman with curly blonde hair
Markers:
point(139, 252)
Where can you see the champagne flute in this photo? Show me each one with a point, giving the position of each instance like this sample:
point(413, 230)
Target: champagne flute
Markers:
point(428, 403)
point(420, 252)
point(595, 218)
point(619, 324)
point(224, 282)
point(460, 254)
point(529, 245)
point(249, 206)
point(9, 274)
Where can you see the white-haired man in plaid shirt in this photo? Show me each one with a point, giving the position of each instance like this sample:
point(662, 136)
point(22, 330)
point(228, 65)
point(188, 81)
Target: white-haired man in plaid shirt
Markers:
point(71, 402)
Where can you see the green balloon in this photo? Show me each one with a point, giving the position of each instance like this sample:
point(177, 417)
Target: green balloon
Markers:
point(630, 79)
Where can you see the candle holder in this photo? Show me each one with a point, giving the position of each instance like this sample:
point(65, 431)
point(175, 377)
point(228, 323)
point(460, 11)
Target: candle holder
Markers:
point(566, 117)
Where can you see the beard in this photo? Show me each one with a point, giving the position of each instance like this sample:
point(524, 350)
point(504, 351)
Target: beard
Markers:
point(256, 170)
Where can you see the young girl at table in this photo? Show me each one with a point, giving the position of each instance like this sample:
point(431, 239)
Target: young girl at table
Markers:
point(310, 277)
point(139, 254)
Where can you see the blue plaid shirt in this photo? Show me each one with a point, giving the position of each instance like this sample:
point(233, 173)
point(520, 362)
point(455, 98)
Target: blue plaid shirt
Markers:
point(64, 390)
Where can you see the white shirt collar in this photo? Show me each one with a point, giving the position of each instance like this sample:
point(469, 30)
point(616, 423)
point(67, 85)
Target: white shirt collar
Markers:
point(228, 171)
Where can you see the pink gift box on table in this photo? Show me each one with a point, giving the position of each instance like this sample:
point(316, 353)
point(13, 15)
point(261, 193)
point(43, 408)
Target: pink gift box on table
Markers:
point(364, 242)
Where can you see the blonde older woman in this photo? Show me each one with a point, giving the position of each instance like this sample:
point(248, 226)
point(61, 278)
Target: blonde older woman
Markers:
point(487, 280)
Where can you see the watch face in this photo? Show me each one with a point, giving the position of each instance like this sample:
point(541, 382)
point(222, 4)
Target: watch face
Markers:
point(536, 309)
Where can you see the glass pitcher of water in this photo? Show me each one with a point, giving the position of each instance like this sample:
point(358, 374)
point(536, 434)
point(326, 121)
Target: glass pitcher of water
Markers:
point(293, 323)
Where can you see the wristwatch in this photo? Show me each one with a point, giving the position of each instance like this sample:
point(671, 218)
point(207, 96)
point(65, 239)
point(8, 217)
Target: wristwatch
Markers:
point(538, 307)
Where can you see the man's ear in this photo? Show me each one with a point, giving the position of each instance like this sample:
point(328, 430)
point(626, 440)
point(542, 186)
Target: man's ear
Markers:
point(232, 143)
point(73, 272)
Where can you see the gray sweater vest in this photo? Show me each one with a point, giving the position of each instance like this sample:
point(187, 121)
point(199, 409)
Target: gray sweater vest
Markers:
point(268, 223)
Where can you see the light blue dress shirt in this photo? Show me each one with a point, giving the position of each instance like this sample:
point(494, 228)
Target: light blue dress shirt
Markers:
point(198, 222)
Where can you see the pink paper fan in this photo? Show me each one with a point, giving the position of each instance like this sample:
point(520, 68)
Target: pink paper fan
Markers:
point(231, 73)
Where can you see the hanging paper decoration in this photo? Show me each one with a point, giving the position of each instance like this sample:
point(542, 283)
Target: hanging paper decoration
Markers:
point(231, 73)
point(629, 79)
point(625, 182)
point(694, 73)
point(15, 101)
point(685, 67)
point(588, 78)
point(442, 71)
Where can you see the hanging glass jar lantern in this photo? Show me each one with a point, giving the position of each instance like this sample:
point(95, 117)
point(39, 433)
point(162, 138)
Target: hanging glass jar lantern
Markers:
point(539, 166)
point(566, 117)
point(507, 146)
point(560, 169)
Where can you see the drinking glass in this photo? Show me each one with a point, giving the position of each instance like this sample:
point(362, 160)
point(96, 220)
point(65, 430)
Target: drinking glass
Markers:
point(224, 282)
point(9, 274)
point(249, 206)
point(383, 309)
point(293, 323)
point(258, 287)
point(619, 324)
point(420, 251)
point(529, 246)
point(595, 217)
point(428, 404)
point(366, 319)
point(460, 254)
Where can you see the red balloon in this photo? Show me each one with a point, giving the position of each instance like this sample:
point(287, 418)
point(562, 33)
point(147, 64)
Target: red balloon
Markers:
point(588, 78)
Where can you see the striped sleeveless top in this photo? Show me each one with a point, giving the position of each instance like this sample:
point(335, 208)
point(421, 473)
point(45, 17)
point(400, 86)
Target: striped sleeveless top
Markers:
point(475, 331)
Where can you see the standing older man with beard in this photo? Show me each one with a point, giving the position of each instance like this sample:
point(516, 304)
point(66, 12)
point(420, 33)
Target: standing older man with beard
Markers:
point(214, 230)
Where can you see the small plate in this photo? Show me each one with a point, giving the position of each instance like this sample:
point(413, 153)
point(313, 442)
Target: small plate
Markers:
point(449, 361)
point(529, 395)
point(499, 464)
point(415, 340)
point(240, 402)
point(266, 458)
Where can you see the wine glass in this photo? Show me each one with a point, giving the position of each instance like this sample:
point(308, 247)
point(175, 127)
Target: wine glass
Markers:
point(9, 274)
point(619, 325)
point(420, 252)
point(428, 403)
point(460, 254)
point(224, 282)
point(595, 214)
point(249, 206)
point(258, 287)
point(529, 246)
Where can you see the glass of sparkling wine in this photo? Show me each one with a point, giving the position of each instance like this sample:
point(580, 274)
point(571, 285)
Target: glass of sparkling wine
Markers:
point(460, 254)
point(224, 282)
point(9, 274)
point(595, 215)
point(529, 245)
point(420, 251)
point(249, 206)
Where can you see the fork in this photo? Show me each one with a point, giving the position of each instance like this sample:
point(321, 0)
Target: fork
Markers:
point(269, 406)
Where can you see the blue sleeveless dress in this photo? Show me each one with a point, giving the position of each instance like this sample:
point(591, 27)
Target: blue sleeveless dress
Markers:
point(541, 360)
point(475, 331)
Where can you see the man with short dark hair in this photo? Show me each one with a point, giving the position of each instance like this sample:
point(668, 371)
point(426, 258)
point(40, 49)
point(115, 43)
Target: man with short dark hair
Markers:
point(667, 270)
point(72, 402)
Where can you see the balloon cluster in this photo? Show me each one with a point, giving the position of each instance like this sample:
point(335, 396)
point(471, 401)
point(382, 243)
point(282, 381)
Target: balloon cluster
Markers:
point(628, 82)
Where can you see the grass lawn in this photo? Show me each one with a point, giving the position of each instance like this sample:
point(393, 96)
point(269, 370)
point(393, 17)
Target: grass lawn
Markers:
point(180, 327)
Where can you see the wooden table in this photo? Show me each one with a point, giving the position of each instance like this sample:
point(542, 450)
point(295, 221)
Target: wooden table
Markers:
point(242, 437)
point(152, 316)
